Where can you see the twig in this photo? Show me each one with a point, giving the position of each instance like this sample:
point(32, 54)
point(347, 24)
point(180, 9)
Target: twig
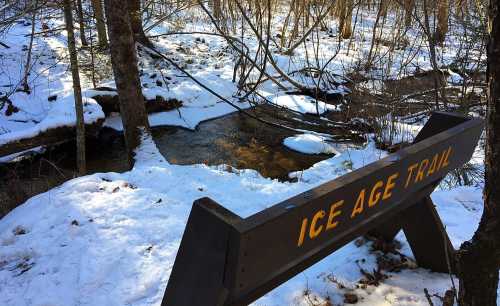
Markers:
point(428, 296)
point(445, 241)
point(218, 95)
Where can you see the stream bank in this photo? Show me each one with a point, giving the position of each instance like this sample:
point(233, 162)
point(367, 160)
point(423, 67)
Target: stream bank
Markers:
point(235, 140)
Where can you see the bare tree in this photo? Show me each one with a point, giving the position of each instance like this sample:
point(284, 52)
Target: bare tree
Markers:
point(479, 258)
point(100, 23)
point(81, 22)
point(443, 12)
point(135, 14)
point(80, 126)
point(124, 61)
point(27, 67)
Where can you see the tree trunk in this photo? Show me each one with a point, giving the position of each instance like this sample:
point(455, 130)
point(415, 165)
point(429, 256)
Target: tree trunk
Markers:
point(100, 24)
point(80, 126)
point(134, 8)
point(443, 7)
point(347, 24)
point(479, 259)
point(409, 6)
point(216, 7)
point(27, 67)
point(431, 39)
point(81, 22)
point(374, 35)
point(124, 60)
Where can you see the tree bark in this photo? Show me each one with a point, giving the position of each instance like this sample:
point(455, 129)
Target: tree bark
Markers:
point(80, 126)
point(431, 39)
point(409, 6)
point(27, 67)
point(124, 61)
point(100, 24)
point(81, 22)
point(443, 12)
point(135, 14)
point(479, 258)
point(347, 24)
point(374, 35)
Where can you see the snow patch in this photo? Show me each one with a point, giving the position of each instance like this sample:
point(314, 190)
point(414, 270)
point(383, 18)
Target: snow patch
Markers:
point(310, 144)
point(303, 104)
point(61, 114)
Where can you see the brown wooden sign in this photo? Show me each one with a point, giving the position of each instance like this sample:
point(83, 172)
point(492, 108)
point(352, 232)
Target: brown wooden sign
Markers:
point(226, 260)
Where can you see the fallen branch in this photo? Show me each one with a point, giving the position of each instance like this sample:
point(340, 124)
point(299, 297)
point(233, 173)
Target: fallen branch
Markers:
point(51, 137)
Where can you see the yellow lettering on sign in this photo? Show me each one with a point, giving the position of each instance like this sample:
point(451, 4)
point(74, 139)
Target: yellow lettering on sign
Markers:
point(390, 186)
point(358, 208)
point(433, 167)
point(444, 159)
point(334, 213)
point(302, 232)
point(421, 169)
point(410, 174)
point(381, 190)
point(313, 230)
point(374, 195)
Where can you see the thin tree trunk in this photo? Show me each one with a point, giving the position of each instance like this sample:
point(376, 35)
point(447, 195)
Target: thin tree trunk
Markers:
point(100, 24)
point(134, 8)
point(81, 22)
point(347, 24)
point(432, 50)
point(80, 126)
point(409, 6)
point(374, 34)
point(124, 60)
point(479, 259)
point(443, 12)
point(27, 67)
point(216, 7)
point(92, 59)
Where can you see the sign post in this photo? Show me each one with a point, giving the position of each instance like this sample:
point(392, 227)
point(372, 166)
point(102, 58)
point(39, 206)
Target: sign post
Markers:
point(227, 260)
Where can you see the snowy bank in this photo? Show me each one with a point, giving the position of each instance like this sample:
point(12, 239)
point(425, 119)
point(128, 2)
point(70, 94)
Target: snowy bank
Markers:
point(303, 104)
point(111, 239)
point(310, 144)
point(61, 114)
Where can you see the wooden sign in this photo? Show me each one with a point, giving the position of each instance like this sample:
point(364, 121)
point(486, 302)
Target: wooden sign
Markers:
point(227, 260)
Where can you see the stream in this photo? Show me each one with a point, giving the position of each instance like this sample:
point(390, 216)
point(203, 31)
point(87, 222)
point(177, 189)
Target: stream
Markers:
point(234, 139)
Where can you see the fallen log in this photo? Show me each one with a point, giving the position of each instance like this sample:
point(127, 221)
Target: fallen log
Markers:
point(51, 137)
point(107, 98)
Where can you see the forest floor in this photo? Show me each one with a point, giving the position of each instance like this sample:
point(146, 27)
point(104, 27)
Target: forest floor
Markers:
point(111, 238)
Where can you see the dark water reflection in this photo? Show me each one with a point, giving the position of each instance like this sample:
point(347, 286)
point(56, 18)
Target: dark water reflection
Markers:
point(235, 139)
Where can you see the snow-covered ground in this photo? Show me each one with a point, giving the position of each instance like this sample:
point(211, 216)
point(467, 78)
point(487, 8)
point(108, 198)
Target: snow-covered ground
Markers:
point(208, 59)
point(50, 103)
point(111, 238)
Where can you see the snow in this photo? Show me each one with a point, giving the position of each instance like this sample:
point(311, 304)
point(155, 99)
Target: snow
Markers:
point(49, 78)
point(396, 131)
point(111, 239)
point(455, 78)
point(61, 114)
point(206, 57)
point(310, 144)
point(187, 116)
point(147, 153)
point(303, 104)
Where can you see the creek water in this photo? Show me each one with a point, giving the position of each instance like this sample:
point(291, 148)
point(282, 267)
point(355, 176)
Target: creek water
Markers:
point(235, 140)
